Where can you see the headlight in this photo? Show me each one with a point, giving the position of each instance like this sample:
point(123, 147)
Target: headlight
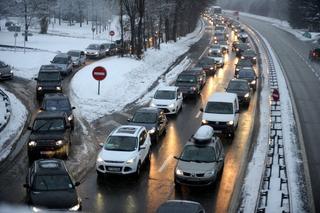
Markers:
point(204, 121)
point(75, 208)
point(39, 88)
point(179, 171)
point(218, 51)
point(210, 173)
point(246, 95)
point(70, 118)
point(59, 143)
point(237, 69)
point(85, 52)
point(242, 57)
point(253, 82)
point(152, 105)
point(211, 68)
point(237, 49)
point(215, 38)
point(58, 88)
point(32, 143)
point(193, 88)
point(99, 159)
point(254, 58)
point(230, 123)
point(96, 53)
point(153, 130)
point(35, 209)
point(130, 161)
point(10, 71)
point(171, 106)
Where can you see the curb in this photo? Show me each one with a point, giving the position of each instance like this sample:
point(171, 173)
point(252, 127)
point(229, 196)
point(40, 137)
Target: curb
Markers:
point(8, 110)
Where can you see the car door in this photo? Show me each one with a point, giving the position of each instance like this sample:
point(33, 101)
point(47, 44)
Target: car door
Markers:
point(179, 98)
point(143, 143)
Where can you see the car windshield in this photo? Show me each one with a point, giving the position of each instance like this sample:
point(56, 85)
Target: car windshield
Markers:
point(249, 52)
point(93, 47)
point(144, 117)
point(198, 154)
point(234, 85)
point(49, 76)
point(52, 183)
point(165, 94)
point(74, 53)
point(121, 143)
point(215, 46)
point(57, 105)
point(186, 79)
point(219, 108)
point(107, 45)
point(246, 74)
point(52, 124)
point(207, 61)
point(247, 63)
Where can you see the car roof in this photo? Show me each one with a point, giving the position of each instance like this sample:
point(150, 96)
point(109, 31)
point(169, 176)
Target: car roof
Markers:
point(50, 114)
point(55, 96)
point(222, 97)
point(127, 130)
point(149, 109)
point(62, 55)
point(168, 88)
point(50, 167)
point(49, 67)
point(179, 206)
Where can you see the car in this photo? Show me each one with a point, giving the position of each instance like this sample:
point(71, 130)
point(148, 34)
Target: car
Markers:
point(5, 71)
point(240, 48)
point(208, 65)
point(168, 98)
point(153, 119)
point(250, 75)
point(78, 57)
point(241, 64)
point(215, 48)
point(111, 48)
point(243, 36)
point(95, 51)
point(218, 57)
point(222, 113)
point(250, 55)
point(201, 73)
point(50, 136)
point(49, 186)
point(189, 83)
point(222, 29)
point(224, 46)
point(180, 206)
point(314, 54)
point(219, 36)
point(201, 160)
point(63, 61)
point(49, 80)
point(242, 89)
point(58, 102)
point(124, 151)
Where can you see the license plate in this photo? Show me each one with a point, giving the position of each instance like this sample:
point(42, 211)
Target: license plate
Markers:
point(114, 169)
point(218, 131)
point(46, 152)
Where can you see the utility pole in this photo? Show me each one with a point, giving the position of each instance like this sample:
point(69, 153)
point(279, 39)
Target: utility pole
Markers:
point(25, 21)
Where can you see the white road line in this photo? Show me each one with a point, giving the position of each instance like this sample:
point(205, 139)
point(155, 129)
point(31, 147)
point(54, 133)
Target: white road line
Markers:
point(198, 114)
point(165, 163)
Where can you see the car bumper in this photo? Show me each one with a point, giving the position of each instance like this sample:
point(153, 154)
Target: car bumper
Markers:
point(195, 181)
point(167, 110)
point(6, 76)
point(220, 127)
point(88, 55)
point(116, 168)
point(46, 151)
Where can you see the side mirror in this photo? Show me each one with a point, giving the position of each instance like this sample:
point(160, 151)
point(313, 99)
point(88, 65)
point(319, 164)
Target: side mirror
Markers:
point(26, 185)
point(129, 119)
point(29, 128)
point(73, 108)
point(77, 183)
point(201, 109)
point(142, 147)
point(101, 144)
point(175, 157)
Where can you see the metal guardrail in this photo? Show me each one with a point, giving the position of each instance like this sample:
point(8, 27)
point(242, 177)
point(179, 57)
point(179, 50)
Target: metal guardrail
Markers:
point(7, 114)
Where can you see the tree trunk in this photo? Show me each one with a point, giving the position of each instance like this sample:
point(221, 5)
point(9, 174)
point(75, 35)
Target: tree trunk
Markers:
point(44, 25)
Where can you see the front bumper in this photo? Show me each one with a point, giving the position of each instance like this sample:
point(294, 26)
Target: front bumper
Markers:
point(46, 151)
point(195, 181)
point(116, 167)
point(167, 110)
point(4, 76)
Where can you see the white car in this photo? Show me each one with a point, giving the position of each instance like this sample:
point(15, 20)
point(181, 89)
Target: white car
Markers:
point(218, 58)
point(222, 113)
point(168, 98)
point(124, 151)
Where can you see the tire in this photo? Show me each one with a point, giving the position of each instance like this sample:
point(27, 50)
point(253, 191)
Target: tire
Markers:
point(137, 173)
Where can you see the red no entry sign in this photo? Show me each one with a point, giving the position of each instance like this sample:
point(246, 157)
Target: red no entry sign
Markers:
point(99, 73)
point(111, 33)
point(275, 95)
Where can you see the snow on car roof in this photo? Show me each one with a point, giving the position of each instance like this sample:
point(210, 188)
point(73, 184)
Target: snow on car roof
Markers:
point(127, 130)
point(168, 88)
point(222, 97)
point(205, 132)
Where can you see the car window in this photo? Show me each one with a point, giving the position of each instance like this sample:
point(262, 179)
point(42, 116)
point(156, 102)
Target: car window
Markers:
point(121, 143)
point(165, 94)
point(198, 154)
point(219, 108)
point(246, 74)
point(52, 182)
point(57, 104)
point(233, 85)
point(60, 60)
point(52, 124)
point(49, 76)
point(144, 117)
point(186, 79)
point(73, 53)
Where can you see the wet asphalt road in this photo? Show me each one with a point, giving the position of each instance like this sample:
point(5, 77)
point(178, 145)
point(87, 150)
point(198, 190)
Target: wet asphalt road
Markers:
point(155, 186)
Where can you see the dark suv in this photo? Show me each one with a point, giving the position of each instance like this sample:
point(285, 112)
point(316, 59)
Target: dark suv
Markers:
point(58, 102)
point(189, 83)
point(49, 80)
point(50, 186)
point(50, 135)
point(153, 119)
point(242, 89)
point(208, 65)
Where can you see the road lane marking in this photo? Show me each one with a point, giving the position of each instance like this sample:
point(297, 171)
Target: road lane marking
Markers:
point(165, 163)
point(198, 114)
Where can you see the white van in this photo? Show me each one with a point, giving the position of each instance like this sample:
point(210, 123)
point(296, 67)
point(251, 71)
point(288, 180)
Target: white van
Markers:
point(222, 113)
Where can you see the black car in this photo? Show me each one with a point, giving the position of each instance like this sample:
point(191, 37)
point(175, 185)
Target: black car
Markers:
point(249, 54)
point(241, 64)
point(208, 64)
point(203, 76)
point(50, 136)
point(64, 61)
point(5, 71)
point(49, 80)
point(180, 206)
point(153, 119)
point(240, 48)
point(111, 48)
point(189, 83)
point(50, 186)
point(58, 102)
point(250, 75)
point(242, 89)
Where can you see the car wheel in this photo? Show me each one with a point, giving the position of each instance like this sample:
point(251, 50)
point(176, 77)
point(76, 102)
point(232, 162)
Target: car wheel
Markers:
point(137, 173)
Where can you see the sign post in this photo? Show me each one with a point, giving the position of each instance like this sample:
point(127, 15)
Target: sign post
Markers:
point(99, 73)
point(15, 41)
point(111, 33)
point(275, 95)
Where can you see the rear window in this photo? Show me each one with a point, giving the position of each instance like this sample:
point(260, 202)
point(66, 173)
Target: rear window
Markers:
point(186, 79)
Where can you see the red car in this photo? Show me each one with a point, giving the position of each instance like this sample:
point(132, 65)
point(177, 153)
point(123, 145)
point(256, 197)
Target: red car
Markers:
point(314, 54)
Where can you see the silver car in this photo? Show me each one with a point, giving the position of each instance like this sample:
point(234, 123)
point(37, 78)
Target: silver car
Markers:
point(201, 160)
point(63, 61)
point(78, 57)
point(5, 71)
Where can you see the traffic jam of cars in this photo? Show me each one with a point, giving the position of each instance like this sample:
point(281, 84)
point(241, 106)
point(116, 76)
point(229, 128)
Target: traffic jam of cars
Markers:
point(128, 147)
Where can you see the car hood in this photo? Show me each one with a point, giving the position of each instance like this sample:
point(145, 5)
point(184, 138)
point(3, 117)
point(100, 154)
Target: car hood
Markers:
point(55, 199)
point(49, 83)
point(162, 101)
point(194, 167)
point(247, 78)
point(217, 117)
point(148, 126)
point(68, 112)
point(92, 50)
point(108, 155)
point(57, 135)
